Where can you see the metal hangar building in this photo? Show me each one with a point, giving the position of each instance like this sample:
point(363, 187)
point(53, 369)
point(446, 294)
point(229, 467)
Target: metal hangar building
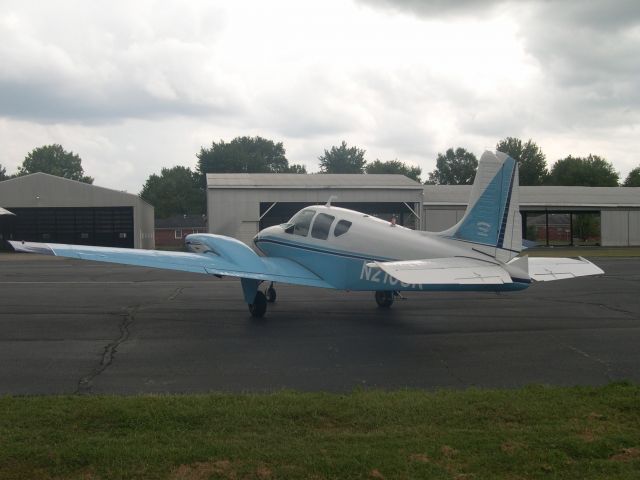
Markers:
point(552, 216)
point(58, 210)
point(241, 204)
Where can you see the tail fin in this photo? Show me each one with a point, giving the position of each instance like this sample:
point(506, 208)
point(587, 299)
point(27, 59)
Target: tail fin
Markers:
point(492, 220)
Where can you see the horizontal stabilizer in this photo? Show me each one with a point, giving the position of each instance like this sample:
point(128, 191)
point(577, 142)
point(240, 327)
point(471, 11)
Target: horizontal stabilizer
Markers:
point(451, 270)
point(545, 269)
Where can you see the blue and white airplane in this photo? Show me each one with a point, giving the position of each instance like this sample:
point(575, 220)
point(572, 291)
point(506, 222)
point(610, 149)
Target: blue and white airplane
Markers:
point(330, 247)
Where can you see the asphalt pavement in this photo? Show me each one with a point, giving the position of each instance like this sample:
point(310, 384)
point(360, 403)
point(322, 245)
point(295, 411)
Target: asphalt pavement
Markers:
point(68, 326)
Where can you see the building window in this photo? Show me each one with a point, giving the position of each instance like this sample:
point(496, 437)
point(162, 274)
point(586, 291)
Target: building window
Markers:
point(177, 234)
point(562, 228)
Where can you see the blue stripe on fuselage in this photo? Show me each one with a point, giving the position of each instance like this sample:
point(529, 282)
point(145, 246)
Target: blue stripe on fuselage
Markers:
point(348, 271)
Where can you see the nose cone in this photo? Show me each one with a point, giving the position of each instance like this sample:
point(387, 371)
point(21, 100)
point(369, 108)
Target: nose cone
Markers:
point(269, 231)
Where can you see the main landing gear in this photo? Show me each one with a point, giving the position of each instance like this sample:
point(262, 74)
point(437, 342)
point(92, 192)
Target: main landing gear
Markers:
point(384, 298)
point(259, 305)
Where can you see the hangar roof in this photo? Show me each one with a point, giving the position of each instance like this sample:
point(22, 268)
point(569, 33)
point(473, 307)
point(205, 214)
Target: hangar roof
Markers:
point(543, 196)
point(313, 180)
point(44, 190)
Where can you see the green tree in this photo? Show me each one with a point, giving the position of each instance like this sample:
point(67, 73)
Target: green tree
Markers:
point(342, 159)
point(592, 171)
point(295, 168)
point(394, 166)
point(532, 164)
point(633, 179)
point(54, 160)
point(243, 155)
point(455, 167)
point(3, 173)
point(176, 191)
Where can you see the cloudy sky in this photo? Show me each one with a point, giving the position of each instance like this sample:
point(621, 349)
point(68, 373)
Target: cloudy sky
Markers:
point(136, 86)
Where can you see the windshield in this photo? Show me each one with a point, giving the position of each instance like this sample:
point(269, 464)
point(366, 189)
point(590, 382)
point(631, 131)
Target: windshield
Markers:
point(300, 222)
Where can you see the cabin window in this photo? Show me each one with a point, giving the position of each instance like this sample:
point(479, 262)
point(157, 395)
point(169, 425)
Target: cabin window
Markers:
point(321, 226)
point(342, 227)
point(301, 222)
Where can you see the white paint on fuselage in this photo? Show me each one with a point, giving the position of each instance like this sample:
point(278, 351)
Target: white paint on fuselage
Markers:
point(374, 238)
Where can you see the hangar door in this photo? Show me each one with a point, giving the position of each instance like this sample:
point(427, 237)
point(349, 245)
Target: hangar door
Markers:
point(101, 226)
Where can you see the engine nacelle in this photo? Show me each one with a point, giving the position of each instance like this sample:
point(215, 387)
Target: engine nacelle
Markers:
point(229, 248)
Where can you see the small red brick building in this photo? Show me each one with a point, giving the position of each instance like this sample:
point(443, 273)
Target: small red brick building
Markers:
point(170, 232)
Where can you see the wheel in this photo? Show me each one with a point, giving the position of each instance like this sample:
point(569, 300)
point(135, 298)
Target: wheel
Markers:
point(271, 294)
point(259, 306)
point(384, 298)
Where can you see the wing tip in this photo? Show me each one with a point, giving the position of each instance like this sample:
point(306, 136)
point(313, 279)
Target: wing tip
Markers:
point(31, 247)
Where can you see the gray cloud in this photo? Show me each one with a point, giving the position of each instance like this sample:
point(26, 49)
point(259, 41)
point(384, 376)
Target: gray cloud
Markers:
point(439, 8)
point(125, 61)
point(588, 53)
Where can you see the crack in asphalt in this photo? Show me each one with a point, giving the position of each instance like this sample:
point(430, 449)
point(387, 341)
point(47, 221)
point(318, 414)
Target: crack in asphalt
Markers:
point(177, 292)
point(596, 304)
point(85, 384)
point(607, 366)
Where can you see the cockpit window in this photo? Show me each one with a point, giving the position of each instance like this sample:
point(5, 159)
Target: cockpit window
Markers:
point(342, 227)
point(321, 226)
point(301, 222)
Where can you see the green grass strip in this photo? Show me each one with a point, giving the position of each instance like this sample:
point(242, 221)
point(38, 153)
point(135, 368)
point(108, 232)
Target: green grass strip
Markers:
point(534, 432)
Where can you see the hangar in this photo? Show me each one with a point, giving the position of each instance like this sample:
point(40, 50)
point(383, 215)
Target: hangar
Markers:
point(58, 210)
point(241, 204)
point(552, 216)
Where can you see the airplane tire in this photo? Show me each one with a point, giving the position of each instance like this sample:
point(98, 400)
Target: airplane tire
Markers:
point(384, 298)
point(271, 295)
point(259, 306)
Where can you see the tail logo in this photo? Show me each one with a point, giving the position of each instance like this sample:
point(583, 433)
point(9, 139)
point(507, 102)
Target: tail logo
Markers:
point(483, 228)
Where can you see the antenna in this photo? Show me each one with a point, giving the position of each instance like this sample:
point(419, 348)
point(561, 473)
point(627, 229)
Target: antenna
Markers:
point(331, 198)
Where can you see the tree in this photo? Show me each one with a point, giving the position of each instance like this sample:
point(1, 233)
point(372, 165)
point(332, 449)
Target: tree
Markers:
point(532, 164)
point(454, 168)
point(633, 179)
point(295, 168)
point(394, 166)
point(243, 155)
point(3, 173)
point(54, 160)
point(342, 159)
point(592, 171)
point(176, 191)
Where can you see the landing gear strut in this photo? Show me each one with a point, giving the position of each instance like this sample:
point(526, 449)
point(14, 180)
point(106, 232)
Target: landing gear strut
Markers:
point(384, 298)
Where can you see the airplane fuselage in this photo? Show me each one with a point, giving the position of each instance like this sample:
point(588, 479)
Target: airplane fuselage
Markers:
point(342, 259)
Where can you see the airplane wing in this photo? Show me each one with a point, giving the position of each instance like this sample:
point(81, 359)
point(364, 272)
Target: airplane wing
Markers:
point(223, 256)
point(450, 270)
point(544, 269)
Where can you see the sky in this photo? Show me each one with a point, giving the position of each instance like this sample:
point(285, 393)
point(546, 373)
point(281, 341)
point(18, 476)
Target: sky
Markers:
point(133, 87)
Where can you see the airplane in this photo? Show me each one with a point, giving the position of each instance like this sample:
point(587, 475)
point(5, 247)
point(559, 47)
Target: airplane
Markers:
point(331, 247)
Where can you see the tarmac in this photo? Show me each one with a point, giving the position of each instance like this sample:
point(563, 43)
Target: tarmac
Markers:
point(68, 326)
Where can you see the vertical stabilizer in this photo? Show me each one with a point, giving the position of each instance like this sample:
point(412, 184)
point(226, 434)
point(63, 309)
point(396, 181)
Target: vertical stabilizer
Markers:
point(492, 220)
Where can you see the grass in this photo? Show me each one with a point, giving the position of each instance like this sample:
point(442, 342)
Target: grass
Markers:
point(534, 432)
